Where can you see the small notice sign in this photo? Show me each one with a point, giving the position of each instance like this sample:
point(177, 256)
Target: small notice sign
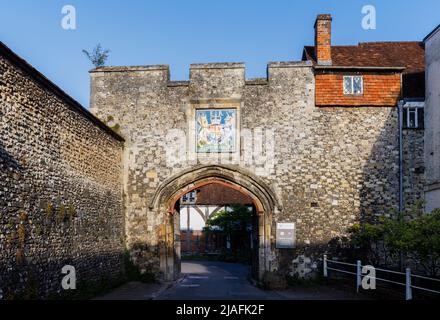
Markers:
point(286, 235)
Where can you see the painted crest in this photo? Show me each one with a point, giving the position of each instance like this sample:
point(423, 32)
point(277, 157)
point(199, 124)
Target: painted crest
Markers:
point(216, 130)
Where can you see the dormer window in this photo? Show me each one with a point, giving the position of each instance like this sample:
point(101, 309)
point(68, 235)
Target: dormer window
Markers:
point(353, 85)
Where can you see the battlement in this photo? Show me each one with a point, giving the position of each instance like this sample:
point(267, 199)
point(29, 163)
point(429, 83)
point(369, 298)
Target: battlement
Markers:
point(131, 68)
point(200, 71)
point(290, 64)
point(218, 65)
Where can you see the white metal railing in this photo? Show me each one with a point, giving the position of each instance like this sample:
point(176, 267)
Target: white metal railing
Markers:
point(408, 276)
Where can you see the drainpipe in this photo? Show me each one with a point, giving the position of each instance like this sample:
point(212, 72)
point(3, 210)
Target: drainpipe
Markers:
point(401, 104)
point(401, 203)
point(400, 110)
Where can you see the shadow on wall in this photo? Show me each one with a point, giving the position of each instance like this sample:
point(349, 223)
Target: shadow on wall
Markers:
point(147, 256)
point(379, 189)
point(369, 162)
point(38, 238)
point(380, 195)
point(29, 280)
point(8, 162)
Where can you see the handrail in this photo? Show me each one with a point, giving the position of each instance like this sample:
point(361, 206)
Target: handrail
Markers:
point(343, 263)
point(426, 278)
point(389, 281)
point(390, 271)
point(408, 276)
point(424, 289)
point(343, 271)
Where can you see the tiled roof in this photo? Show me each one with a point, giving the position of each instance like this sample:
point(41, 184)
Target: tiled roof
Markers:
point(410, 55)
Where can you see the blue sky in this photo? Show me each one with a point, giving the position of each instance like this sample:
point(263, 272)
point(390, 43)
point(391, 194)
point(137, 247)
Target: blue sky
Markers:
point(182, 32)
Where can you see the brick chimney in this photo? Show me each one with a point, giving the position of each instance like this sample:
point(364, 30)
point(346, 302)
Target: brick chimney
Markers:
point(323, 39)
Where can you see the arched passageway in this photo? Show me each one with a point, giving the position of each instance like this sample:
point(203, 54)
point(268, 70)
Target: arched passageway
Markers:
point(169, 193)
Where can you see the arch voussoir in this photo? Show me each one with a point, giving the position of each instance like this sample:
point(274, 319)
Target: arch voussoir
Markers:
point(172, 189)
point(236, 178)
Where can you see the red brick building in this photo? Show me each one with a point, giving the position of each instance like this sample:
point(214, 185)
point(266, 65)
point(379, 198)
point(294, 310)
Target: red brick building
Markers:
point(196, 209)
point(367, 74)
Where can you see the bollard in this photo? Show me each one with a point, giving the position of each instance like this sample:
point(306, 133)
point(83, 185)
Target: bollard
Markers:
point(408, 285)
point(358, 275)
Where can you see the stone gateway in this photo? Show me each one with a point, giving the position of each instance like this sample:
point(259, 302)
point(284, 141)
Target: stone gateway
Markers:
point(323, 167)
point(317, 146)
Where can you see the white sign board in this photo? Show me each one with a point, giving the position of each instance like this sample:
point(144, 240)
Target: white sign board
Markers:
point(286, 235)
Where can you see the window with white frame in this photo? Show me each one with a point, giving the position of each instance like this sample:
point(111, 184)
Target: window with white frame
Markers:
point(353, 85)
point(413, 116)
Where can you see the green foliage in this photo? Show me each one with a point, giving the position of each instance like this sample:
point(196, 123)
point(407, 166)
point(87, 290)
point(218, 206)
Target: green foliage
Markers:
point(21, 234)
point(38, 231)
point(11, 223)
point(49, 209)
point(61, 213)
point(116, 128)
point(23, 216)
point(71, 211)
point(363, 236)
point(418, 238)
point(98, 56)
point(423, 235)
point(230, 222)
point(110, 122)
point(235, 225)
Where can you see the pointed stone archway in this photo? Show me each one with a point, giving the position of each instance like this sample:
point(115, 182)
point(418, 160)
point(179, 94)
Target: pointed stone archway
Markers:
point(165, 199)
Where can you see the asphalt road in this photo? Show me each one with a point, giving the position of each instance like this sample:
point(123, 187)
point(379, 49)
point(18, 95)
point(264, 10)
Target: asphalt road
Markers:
point(209, 280)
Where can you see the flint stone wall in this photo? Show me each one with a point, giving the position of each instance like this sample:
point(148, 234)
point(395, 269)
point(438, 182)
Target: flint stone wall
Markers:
point(60, 188)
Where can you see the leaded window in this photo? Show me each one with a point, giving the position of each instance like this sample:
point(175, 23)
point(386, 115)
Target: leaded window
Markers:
point(353, 85)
